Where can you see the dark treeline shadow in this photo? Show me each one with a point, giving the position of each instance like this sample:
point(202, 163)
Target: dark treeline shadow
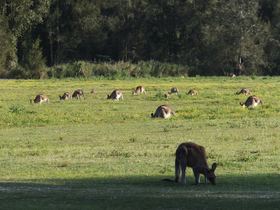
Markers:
point(142, 192)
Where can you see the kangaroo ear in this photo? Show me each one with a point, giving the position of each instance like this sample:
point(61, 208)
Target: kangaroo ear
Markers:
point(214, 166)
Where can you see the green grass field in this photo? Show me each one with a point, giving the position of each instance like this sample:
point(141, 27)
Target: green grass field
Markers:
point(102, 154)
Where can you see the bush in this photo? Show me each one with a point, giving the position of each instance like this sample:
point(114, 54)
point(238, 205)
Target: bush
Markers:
point(17, 73)
point(117, 70)
point(16, 108)
point(34, 62)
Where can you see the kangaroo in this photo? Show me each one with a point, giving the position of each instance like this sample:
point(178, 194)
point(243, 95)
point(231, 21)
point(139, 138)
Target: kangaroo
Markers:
point(78, 94)
point(65, 96)
point(251, 102)
point(39, 99)
point(192, 92)
point(93, 91)
point(194, 156)
point(163, 111)
point(139, 90)
point(115, 95)
point(244, 91)
point(173, 90)
point(232, 75)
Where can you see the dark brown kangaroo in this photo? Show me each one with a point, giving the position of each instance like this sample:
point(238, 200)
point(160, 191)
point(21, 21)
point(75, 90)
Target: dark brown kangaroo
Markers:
point(194, 156)
point(78, 94)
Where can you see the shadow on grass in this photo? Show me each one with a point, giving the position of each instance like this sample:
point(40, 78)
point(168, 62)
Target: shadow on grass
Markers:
point(142, 192)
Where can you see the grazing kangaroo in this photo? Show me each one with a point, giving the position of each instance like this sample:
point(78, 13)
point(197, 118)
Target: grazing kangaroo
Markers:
point(93, 91)
point(40, 99)
point(173, 90)
point(163, 111)
point(244, 91)
point(251, 102)
point(78, 94)
point(115, 95)
point(166, 95)
point(192, 92)
point(139, 90)
point(65, 96)
point(194, 156)
point(232, 75)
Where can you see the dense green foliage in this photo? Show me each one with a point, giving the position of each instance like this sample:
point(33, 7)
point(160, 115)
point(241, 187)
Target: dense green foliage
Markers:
point(103, 154)
point(213, 37)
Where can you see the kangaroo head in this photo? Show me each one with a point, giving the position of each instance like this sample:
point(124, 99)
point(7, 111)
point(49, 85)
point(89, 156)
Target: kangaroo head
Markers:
point(242, 104)
point(210, 174)
point(108, 96)
point(152, 115)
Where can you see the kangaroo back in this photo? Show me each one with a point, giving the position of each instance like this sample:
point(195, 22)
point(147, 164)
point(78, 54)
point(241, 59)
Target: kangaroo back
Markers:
point(163, 111)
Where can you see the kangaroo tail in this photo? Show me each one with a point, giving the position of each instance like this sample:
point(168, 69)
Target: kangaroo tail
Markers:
point(177, 169)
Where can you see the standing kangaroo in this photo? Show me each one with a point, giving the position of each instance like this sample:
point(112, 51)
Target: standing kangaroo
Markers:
point(194, 156)
point(139, 90)
point(115, 95)
point(39, 99)
point(78, 94)
point(163, 111)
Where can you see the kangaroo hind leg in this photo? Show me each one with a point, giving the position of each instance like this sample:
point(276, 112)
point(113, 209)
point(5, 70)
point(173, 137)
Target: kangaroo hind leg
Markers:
point(183, 165)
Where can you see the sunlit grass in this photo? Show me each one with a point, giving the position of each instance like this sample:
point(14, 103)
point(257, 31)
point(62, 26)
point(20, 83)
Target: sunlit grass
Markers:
point(90, 144)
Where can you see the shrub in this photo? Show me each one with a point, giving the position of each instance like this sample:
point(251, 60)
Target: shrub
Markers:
point(34, 62)
point(117, 70)
point(16, 108)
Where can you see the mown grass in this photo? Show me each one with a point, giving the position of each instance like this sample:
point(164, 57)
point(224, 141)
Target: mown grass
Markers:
point(102, 154)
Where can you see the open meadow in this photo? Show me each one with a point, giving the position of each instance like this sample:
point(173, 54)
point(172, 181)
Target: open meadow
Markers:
point(103, 154)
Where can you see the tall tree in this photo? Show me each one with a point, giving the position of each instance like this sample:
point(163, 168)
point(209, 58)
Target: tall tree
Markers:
point(18, 17)
point(234, 34)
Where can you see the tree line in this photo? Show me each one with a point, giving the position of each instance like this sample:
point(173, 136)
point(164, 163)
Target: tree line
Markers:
point(206, 37)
